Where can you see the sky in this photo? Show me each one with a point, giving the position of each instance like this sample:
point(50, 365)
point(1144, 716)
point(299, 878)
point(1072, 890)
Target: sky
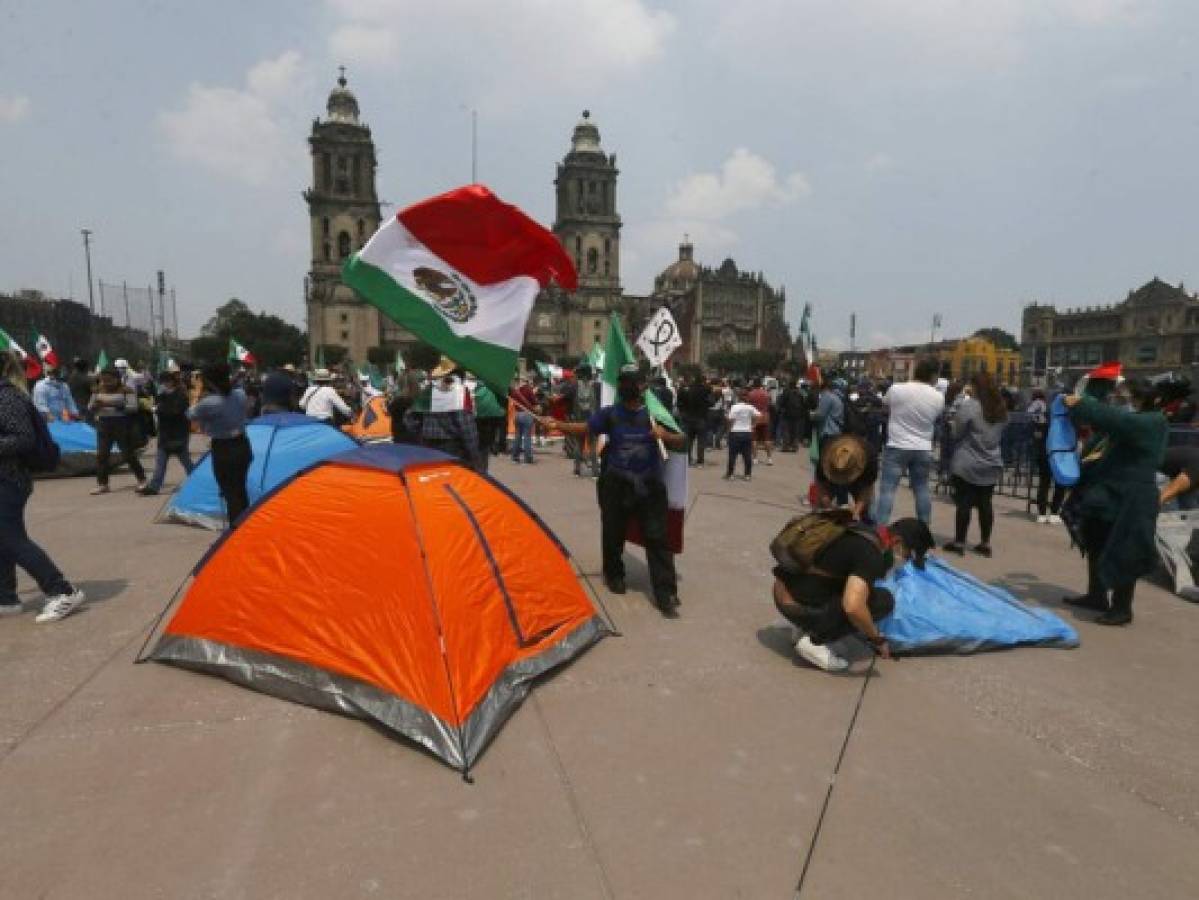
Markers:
point(889, 158)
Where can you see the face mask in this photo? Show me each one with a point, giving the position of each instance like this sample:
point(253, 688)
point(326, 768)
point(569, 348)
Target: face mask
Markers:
point(628, 391)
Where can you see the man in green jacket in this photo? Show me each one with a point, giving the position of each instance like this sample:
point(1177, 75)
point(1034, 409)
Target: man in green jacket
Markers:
point(1116, 500)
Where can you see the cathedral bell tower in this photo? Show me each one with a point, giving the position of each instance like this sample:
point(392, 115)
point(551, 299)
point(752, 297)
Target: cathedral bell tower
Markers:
point(587, 224)
point(343, 210)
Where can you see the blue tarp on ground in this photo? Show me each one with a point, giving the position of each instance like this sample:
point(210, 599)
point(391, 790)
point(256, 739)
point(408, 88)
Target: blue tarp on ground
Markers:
point(283, 444)
point(944, 610)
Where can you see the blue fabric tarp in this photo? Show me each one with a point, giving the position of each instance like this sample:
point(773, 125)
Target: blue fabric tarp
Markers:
point(73, 437)
point(283, 444)
point(943, 610)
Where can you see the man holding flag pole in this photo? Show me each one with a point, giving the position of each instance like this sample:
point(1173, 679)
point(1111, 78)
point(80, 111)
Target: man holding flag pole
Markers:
point(632, 487)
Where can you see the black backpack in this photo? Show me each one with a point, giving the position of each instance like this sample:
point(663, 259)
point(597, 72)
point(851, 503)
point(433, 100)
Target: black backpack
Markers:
point(45, 454)
point(853, 420)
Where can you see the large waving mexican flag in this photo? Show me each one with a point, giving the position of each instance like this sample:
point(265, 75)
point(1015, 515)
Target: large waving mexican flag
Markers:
point(461, 272)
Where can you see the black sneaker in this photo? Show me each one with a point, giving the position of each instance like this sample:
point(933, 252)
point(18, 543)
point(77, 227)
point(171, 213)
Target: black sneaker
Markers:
point(1086, 601)
point(954, 547)
point(1115, 617)
point(668, 604)
point(615, 585)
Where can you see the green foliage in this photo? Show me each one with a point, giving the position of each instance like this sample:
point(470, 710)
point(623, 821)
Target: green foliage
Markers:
point(751, 362)
point(272, 340)
point(533, 354)
point(1001, 339)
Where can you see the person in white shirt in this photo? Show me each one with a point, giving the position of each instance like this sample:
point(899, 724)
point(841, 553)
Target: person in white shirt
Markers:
point(915, 407)
point(321, 402)
point(742, 418)
point(369, 391)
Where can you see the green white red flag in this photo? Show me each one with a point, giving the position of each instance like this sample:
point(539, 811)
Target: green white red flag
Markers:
point(238, 353)
point(461, 272)
point(32, 367)
point(45, 351)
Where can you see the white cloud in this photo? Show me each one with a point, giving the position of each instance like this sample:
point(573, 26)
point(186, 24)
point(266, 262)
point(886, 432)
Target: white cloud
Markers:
point(13, 109)
point(505, 50)
point(745, 181)
point(247, 133)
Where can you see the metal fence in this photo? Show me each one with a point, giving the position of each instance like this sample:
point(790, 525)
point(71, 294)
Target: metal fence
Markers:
point(142, 308)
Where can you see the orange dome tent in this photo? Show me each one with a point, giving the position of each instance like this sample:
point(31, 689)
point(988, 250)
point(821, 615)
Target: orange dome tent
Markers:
point(434, 625)
point(372, 424)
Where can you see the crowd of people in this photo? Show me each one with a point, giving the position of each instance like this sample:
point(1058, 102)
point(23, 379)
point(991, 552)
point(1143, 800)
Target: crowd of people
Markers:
point(863, 441)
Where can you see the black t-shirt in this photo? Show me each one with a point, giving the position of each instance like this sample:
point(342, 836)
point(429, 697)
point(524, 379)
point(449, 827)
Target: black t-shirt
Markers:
point(1182, 459)
point(850, 554)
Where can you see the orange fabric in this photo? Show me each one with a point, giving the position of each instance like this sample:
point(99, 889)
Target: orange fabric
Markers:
point(548, 601)
point(379, 429)
point(329, 572)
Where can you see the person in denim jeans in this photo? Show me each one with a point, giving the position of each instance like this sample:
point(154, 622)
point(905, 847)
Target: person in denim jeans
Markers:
point(526, 411)
point(915, 408)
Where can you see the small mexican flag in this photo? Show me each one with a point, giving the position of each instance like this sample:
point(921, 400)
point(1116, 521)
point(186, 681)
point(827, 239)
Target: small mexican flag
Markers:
point(461, 272)
point(238, 353)
point(618, 353)
point(399, 365)
point(41, 343)
point(101, 361)
point(32, 367)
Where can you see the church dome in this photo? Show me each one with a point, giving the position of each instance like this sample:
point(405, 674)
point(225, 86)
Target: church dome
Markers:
point(683, 272)
point(342, 105)
point(586, 138)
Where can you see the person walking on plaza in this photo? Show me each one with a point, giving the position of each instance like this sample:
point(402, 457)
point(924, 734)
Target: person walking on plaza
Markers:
point(631, 487)
point(1038, 417)
point(587, 401)
point(829, 417)
point(1115, 503)
point(743, 418)
point(759, 399)
point(322, 402)
point(53, 399)
point(174, 428)
point(716, 414)
point(489, 420)
point(978, 424)
point(694, 402)
point(221, 414)
point(915, 408)
point(17, 441)
point(113, 407)
point(449, 425)
point(80, 382)
point(527, 410)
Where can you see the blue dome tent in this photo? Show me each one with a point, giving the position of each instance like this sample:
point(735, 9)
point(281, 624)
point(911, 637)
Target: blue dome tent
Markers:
point(77, 444)
point(283, 444)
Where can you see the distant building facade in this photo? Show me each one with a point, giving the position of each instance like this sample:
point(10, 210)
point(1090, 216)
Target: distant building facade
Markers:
point(71, 328)
point(1154, 329)
point(960, 358)
point(721, 309)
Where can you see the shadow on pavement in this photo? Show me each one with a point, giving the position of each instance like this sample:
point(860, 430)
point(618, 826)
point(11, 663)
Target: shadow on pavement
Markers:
point(99, 591)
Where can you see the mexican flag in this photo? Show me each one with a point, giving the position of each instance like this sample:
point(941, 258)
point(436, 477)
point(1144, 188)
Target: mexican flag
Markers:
point(238, 353)
point(618, 353)
point(32, 367)
point(596, 357)
point(41, 343)
point(399, 364)
point(461, 272)
point(101, 361)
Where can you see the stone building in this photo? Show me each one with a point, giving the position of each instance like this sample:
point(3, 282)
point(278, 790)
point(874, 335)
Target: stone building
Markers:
point(587, 223)
point(73, 330)
point(960, 358)
point(1154, 329)
point(720, 309)
point(343, 211)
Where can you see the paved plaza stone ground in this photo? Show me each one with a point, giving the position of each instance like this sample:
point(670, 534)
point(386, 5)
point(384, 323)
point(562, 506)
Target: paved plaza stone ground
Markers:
point(687, 758)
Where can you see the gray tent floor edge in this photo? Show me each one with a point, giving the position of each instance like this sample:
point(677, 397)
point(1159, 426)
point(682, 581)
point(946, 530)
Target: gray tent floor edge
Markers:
point(514, 683)
point(281, 677)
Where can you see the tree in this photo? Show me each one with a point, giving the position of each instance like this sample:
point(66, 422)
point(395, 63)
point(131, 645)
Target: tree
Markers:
point(1002, 340)
point(272, 340)
point(332, 353)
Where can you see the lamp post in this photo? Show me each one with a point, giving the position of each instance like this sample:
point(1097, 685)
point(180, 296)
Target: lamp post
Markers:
point(87, 254)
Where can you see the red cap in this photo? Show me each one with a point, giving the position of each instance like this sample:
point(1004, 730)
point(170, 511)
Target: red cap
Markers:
point(1106, 372)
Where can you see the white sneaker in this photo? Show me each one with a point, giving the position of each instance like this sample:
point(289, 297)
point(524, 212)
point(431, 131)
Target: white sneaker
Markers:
point(1042, 520)
point(820, 656)
point(769, 461)
point(61, 606)
point(1055, 519)
point(100, 489)
point(11, 609)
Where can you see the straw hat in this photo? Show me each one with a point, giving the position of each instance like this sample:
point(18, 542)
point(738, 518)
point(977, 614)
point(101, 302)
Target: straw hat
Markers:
point(445, 367)
point(844, 459)
point(322, 375)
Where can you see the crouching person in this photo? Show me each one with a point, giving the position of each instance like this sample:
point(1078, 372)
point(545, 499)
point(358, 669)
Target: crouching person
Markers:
point(825, 581)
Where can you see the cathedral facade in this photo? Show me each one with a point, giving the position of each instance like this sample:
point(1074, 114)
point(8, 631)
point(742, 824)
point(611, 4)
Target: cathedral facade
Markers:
point(716, 309)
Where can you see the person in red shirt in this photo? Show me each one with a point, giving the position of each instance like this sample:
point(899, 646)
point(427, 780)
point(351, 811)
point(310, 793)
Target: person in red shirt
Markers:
point(760, 400)
point(526, 411)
